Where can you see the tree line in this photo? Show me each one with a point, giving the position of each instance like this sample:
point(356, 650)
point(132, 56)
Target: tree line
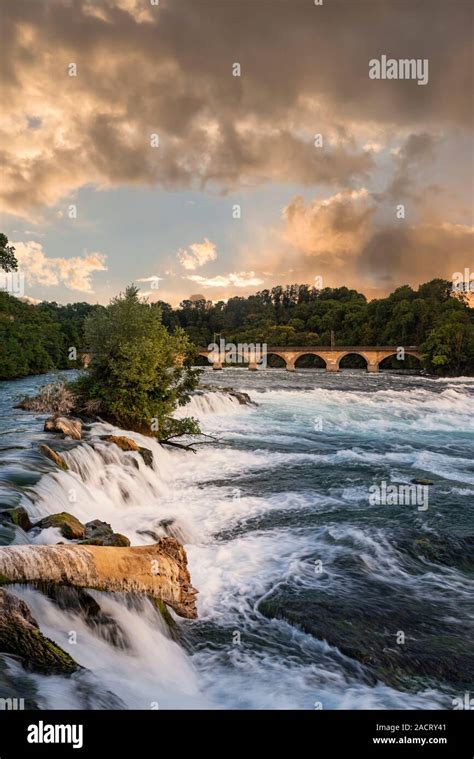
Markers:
point(38, 338)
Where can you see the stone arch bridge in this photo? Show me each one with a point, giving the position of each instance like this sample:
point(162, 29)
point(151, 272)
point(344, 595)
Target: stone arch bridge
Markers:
point(373, 356)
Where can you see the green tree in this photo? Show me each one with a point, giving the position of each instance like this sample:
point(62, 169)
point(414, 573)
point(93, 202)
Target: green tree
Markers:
point(449, 347)
point(139, 373)
point(8, 260)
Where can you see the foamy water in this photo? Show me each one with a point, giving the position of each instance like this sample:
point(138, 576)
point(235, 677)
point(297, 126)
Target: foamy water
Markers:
point(277, 488)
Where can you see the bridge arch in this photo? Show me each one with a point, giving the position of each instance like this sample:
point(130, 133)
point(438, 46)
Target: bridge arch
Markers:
point(393, 363)
point(282, 364)
point(202, 359)
point(362, 355)
point(317, 363)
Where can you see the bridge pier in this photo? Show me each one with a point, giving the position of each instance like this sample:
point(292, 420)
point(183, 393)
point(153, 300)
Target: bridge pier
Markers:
point(332, 364)
point(217, 366)
point(252, 366)
point(373, 368)
point(290, 366)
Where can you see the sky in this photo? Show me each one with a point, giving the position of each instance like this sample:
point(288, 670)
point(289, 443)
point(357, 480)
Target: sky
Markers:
point(221, 147)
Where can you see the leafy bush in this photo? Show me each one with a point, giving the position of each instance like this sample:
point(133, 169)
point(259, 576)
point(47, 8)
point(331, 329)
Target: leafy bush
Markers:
point(139, 373)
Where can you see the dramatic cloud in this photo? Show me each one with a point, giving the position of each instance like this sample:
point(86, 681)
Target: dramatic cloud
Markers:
point(198, 254)
point(333, 229)
point(166, 70)
point(395, 255)
point(343, 240)
point(235, 279)
point(75, 273)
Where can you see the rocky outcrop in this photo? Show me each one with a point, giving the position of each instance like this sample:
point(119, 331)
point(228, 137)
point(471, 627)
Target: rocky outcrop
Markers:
point(54, 456)
point(21, 636)
point(95, 533)
point(127, 444)
point(69, 427)
point(69, 527)
point(159, 571)
point(99, 533)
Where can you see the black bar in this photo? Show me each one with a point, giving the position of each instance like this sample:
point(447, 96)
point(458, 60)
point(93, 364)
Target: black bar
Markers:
point(111, 734)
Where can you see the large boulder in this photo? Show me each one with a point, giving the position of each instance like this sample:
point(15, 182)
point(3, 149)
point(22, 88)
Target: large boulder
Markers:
point(69, 427)
point(69, 527)
point(20, 635)
point(99, 533)
point(54, 456)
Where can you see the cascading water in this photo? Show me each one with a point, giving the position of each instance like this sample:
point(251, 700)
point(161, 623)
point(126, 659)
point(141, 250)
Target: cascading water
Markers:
point(267, 498)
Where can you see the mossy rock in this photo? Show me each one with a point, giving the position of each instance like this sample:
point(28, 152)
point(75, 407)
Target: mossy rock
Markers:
point(20, 517)
point(114, 540)
point(21, 636)
point(166, 616)
point(70, 527)
point(98, 533)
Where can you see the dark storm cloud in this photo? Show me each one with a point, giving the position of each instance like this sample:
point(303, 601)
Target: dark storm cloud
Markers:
point(168, 70)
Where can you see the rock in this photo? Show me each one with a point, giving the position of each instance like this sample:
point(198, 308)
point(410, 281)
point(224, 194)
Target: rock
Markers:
point(99, 533)
point(159, 571)
point(54, 456)
point(69, 427)
point(422, 482)
point(243, 398)
point(20, 517)
point(70, 527)
point(127, 444)
point(124, 443)
point(21, 636)
point(147, 456)
point(150, 534)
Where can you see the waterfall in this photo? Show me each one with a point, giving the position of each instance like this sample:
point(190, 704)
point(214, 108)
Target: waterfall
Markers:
point(209, 403)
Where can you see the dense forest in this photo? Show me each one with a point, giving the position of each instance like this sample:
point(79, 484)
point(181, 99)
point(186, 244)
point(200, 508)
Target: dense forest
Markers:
point(37, 338)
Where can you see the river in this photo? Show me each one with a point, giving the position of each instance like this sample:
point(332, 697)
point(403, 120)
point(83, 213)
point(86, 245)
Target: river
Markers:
point(309, 596)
